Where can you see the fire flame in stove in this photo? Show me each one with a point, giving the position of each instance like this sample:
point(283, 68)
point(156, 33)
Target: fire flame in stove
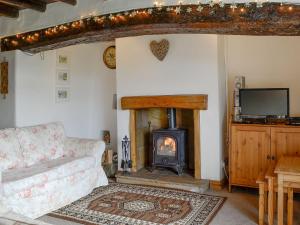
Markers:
point(169, 144)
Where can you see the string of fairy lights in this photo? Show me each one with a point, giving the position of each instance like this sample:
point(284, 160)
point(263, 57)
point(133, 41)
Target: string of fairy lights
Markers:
point(124, 18)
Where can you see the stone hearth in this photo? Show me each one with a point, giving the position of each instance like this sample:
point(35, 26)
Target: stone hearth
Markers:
point(164, 178)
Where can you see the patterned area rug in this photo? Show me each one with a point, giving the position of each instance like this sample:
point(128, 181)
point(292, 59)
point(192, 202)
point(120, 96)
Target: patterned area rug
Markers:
point(121, 204)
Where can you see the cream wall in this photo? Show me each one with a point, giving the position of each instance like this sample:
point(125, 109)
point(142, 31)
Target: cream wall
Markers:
point(265, 62)
point(222, 86)
point(92, 86)
point(192, 66)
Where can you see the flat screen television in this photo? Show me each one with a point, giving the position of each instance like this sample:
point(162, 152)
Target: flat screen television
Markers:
point(264, 102)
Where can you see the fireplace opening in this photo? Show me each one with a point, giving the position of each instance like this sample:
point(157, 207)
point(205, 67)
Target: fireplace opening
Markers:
point(167, 128)
point(169, 145)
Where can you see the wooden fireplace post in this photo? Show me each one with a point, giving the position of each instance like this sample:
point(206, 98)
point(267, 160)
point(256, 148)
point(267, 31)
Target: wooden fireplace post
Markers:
point(197, 146)
point(133, 150)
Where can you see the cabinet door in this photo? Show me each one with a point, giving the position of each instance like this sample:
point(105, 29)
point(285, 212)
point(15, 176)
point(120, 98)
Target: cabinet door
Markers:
point(285, 141)
point(250, 150)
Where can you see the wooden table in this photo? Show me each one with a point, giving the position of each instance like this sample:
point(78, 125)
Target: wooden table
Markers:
point(271, 178)
point(288, 171)
point(263, 193)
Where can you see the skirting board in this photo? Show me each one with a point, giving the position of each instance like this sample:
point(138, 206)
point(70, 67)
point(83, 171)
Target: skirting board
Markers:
point(217, 185)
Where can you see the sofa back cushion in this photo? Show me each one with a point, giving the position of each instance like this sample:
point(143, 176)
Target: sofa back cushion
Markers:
point(41, 143)
point(10, 151)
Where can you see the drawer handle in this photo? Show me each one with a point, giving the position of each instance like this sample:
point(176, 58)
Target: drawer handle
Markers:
point(268, 157)
point(273, 157)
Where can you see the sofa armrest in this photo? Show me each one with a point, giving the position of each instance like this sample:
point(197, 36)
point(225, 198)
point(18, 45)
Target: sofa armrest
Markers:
point(76, 147)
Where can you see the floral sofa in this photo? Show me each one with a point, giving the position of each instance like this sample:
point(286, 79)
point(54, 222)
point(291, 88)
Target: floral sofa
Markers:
point(41, 170)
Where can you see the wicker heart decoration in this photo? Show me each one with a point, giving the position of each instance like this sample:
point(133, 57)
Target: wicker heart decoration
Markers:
point(160, 49)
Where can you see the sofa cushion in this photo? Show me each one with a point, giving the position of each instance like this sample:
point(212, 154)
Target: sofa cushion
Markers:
point(10, 151)
point(41, 143)
point(23, 180)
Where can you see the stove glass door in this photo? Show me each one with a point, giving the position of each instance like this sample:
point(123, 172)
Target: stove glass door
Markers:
point(166, 146)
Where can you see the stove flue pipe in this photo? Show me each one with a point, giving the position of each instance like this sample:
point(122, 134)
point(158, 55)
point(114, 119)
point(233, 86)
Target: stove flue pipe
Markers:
point(171, 117)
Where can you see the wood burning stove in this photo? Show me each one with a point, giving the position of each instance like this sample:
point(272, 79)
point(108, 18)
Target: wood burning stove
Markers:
point(169, 145)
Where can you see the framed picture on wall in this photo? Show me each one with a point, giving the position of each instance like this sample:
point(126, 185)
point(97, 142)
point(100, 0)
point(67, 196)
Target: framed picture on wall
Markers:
point(4, 79)
point(62, 60)
point(62, 94)
point(63, 77)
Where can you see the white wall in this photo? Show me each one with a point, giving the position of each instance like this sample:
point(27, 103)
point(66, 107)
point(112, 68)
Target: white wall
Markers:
point(265, 62)
point(7, 105)
point(195, 64)
point(92, 86)
point(191, 67)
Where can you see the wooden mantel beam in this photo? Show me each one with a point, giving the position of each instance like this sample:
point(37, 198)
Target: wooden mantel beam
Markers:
point(23, 4)
point(70, 2)
point(8, 11)
point(198, 102)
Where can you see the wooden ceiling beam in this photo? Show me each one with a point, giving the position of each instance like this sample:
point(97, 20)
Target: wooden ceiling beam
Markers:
point(23, 4)
point(270, 19)
point(70, 2)
point(8, 11)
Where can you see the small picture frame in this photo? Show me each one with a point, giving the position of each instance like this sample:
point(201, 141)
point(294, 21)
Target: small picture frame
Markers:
point(62, 94)
point(63, 77)
point(62, 60)
point(4, 79)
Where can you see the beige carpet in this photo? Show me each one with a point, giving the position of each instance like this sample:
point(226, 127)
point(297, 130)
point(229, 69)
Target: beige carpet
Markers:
point(240, 208)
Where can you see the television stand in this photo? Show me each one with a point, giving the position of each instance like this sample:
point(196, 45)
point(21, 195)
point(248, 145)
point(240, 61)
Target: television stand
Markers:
point(255, 120)
point(265, 120)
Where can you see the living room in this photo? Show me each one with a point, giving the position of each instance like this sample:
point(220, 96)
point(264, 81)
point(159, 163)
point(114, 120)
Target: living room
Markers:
point(195, 73)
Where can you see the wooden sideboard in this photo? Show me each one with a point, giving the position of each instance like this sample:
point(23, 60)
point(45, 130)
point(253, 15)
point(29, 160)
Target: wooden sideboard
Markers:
point(253, 147)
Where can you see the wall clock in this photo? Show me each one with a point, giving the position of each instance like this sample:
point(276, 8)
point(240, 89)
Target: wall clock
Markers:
point(109, 57)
